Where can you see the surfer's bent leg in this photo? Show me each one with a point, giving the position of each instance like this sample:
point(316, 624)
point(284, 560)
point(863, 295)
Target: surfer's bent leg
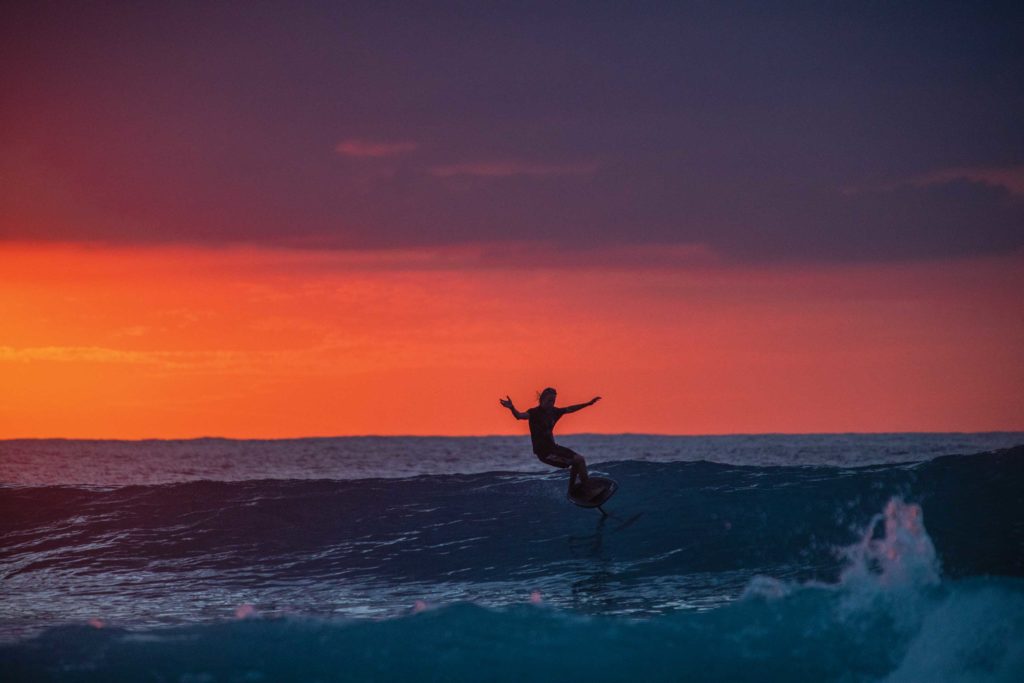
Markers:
point(568, 458)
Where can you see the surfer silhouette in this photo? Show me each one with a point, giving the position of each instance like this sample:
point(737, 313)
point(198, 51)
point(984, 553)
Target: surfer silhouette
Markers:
point(542, 419)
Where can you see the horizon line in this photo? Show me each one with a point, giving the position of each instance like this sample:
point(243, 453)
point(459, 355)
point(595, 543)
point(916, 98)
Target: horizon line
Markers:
point(509, 436)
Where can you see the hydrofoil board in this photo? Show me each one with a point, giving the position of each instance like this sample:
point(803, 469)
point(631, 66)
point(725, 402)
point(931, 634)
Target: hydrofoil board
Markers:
point(593, 493)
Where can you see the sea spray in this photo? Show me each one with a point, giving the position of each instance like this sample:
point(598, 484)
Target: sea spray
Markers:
point(895, 550)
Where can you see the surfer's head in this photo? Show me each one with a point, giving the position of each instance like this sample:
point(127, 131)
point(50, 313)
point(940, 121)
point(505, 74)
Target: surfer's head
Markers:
point(547, 397)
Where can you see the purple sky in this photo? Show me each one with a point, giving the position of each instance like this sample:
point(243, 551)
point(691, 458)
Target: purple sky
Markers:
point(856, 132)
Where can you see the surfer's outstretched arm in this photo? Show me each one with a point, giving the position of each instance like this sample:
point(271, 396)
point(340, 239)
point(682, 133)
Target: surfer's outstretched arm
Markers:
point(581, 406)
point(507, 402)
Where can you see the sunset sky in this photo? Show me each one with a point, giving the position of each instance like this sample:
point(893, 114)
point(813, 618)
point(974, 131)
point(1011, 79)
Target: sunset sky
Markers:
point(296, 219)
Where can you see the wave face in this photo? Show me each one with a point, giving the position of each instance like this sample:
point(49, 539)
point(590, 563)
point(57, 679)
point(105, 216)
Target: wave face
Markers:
point(703, 569)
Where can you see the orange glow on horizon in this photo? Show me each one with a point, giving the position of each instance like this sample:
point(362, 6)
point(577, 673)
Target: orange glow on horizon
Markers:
point(177, 342)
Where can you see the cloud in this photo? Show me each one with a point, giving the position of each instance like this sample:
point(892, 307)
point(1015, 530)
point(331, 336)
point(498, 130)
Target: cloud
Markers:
point(223, 360)
point(309, 360)
point(373, 149)
point(93, 354)
point(1010, 178)
point(540, 254)
point(504, 169)
point(472, 255)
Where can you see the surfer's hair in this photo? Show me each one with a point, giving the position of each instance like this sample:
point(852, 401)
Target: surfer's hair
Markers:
point(548, 390)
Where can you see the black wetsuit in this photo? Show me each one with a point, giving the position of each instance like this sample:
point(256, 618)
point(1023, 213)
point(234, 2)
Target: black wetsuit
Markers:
point(542, 422)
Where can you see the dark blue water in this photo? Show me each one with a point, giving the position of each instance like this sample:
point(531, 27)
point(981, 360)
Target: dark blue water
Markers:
point(898, 571)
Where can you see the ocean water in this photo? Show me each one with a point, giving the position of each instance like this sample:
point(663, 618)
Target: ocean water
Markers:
point(895, 557)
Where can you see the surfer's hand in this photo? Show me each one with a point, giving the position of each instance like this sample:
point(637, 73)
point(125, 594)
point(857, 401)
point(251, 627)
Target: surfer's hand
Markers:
point(507, 402)
point(595, 400)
